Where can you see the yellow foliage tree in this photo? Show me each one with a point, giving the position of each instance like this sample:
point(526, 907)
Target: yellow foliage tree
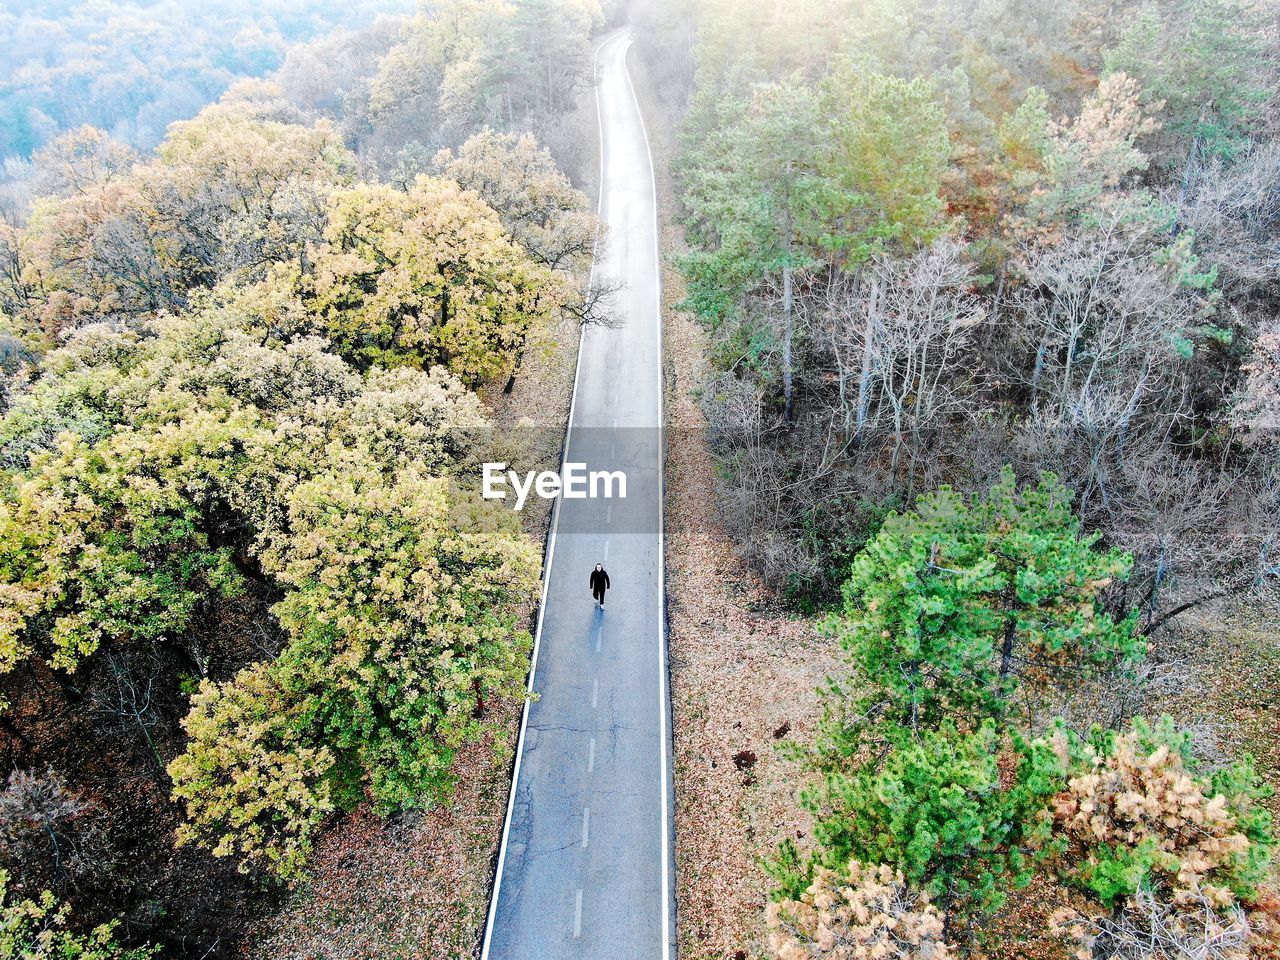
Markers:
point(427, 277)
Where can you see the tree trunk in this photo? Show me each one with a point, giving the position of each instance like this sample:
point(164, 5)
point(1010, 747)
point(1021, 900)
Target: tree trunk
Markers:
point(1006, 649)
point(787, 325)
point(864, 375)
point(1185, 186)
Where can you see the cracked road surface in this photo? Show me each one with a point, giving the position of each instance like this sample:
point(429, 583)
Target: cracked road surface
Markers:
point(585, 866)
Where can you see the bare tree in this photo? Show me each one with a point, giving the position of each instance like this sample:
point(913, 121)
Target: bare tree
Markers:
point(1234, 212)
point(898, 333)
point(50, 836)
point(1146, 926)
point(1096, 325)
point(128, 694)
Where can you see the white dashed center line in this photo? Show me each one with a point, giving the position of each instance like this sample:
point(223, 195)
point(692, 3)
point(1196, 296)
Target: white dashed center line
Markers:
point(591, 755)
point(586, 825)
point(577, 915)
point(595, 693)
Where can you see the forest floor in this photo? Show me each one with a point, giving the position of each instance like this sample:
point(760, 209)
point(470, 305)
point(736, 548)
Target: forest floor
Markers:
point(745, 673)
point(417, 885)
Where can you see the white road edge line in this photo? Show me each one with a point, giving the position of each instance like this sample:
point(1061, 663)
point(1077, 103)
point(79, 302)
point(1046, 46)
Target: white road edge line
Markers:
point(551, 552)
point(667, 916)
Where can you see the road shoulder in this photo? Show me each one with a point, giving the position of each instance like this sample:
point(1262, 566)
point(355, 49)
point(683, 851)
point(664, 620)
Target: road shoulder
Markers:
point(743, 674)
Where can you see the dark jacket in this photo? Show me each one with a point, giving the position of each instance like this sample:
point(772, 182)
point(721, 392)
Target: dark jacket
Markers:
point(599, 581)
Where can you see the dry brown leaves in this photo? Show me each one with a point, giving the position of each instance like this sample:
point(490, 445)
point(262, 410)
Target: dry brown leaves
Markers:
point(411, 886)
point(743, 676)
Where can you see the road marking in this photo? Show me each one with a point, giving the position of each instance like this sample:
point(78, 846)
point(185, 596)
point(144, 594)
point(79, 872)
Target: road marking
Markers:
point(606, 549)
point(667, 911)
point(551, 553)
point(591, 754)
point(599, 631)
point(586, 826)
point(608, 514)
point(595, 693)
point(577, 915)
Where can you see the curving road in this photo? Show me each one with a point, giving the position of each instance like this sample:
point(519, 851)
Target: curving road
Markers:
point(585, 867)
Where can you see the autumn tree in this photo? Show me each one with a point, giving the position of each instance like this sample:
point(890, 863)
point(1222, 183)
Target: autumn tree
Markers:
point(1078, 171)
point(222, 458)
point(228, 195)
point(1199, 61)
point(538, 206)
point(397, 623)
point(543, 213)
point(426, 277)
point(79, 160)
point(255, 787)
point(468, 64)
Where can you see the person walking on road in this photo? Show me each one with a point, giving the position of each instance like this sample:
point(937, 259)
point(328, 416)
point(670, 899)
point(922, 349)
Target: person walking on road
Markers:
point(599, 583)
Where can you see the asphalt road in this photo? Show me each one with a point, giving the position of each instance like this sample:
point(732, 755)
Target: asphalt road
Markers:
point(585, 869)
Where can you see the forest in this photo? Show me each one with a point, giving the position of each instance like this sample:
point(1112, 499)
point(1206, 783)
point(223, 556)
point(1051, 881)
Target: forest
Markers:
point(130, 69)
point(989, 293)
point(974, 305)
point(247, 586)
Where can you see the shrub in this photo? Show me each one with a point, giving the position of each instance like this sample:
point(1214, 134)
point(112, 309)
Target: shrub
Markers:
point(1147, 927)
point(938, 809)
point(36, 930)
point(1138, 816)
point(866, 911)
